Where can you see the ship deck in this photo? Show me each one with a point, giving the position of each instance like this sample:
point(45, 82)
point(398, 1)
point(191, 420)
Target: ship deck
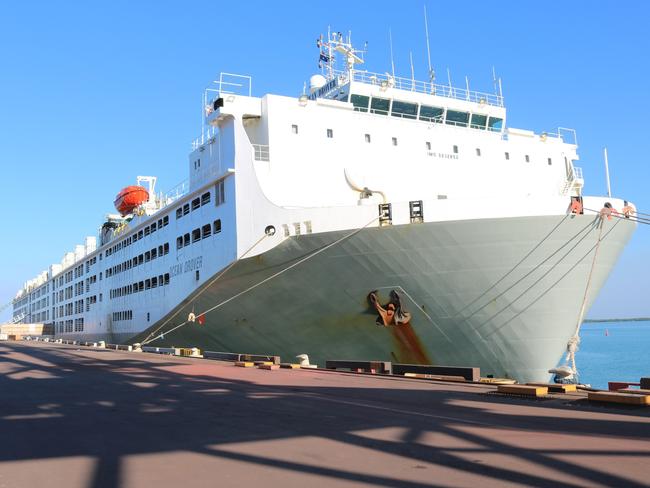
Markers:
point(76, 417)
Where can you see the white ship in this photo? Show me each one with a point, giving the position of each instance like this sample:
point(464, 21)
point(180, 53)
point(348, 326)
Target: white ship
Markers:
point(373, 217)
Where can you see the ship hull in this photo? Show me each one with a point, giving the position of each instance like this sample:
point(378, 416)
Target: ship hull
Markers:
point(471, 297)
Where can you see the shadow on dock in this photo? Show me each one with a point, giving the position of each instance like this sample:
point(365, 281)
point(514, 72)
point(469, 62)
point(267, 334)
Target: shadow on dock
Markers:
point(125, 420)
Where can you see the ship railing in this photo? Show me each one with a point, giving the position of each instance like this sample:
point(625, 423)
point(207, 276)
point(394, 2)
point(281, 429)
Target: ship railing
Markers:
point(175, 193)
point(206, 134)
point(386, 81)
point(565, 134)
point(261, 152)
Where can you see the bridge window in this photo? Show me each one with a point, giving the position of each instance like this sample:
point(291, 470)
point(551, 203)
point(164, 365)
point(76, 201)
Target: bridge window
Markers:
point(455, 149)
point(394, 140)
point(478, 121)
point(367, 138)
point(428, 146)
point(432, 114)
point(507, 155)
point(550, 161)
point(527, 158)
point(360, 102)
point(495, 124)
point(457, 118)
point(478, 151)
point(294, 128)
point(330, 133)
point(380, 106)
point(404, 110)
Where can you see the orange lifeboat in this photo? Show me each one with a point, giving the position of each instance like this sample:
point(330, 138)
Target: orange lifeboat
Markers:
point(129, 198)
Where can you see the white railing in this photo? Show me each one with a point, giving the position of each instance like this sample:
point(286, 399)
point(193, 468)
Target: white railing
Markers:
point(175, 193)
point(261, 152)
point(387, 81)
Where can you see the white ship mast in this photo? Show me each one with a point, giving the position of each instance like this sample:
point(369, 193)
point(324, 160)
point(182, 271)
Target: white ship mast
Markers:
point(334, 44)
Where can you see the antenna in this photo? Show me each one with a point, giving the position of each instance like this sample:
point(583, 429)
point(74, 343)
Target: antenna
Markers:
point(494, 80)
point(609, 187)
point(500, 92)
point(467, 87)
point(412, 72)
point(426, 31)
point(392, 62)
point(449, 79)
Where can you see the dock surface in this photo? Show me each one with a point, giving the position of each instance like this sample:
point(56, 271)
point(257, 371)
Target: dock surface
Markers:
point(79, 417)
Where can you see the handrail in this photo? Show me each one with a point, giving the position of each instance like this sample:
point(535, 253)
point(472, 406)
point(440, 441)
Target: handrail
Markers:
point(386, 81)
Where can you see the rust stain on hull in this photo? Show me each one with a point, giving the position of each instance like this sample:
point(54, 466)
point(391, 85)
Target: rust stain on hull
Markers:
point(410, 348)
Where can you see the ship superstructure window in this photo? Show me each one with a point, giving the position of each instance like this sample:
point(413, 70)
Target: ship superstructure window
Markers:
point(478, 151)
point(219, 193)
point(454, 117)
point(179, 212)
point(428, 144)
point(479, 121)
point(550, 161)
point(196, 235)
point(330, 133)
point(360, 102)
point(507, 155)
point(179, 242)
point(186, 209)
point(432, 114)
point(394, 141)
point(380, 106)
point(294, 128)
point(404, 109)
point(455, 149)
point(206, 231)
point(196, 203)
point(527, 157)
point(216, 226)
point(495, 124)
point(186, 239)
point(367, 138)
point(205, 198)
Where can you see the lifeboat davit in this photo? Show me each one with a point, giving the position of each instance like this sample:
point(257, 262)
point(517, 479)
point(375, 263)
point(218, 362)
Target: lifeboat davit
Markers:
point(129, 198)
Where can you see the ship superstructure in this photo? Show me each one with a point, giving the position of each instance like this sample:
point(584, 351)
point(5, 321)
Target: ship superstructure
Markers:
point(372, 217)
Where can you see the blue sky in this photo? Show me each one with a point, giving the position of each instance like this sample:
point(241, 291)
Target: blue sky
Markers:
point(93, 94)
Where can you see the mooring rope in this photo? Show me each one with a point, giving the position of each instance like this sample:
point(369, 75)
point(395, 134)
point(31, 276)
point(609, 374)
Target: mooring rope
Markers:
point(266, 280)
point(552, 284)
point(210, 283)
point(498, 282)
point(574, 341)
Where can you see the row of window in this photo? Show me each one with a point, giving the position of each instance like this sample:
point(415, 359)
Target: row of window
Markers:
point(427, 113)
point(197, 203)
point(78, 271)
point(138, 286)
point(90, 263)
point(197, 234)
point(123, 315)
point(67, 325)
point(145, 257)
point(141, 234)
point(41, 316)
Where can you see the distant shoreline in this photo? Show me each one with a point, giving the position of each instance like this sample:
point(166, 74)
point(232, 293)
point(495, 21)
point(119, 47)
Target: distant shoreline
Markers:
point(636, 319)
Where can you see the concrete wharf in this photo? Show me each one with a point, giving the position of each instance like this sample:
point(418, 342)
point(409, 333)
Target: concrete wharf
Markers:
point(87, 417)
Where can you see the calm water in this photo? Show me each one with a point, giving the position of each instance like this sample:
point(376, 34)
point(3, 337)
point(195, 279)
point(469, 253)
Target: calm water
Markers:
point(622, 355)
